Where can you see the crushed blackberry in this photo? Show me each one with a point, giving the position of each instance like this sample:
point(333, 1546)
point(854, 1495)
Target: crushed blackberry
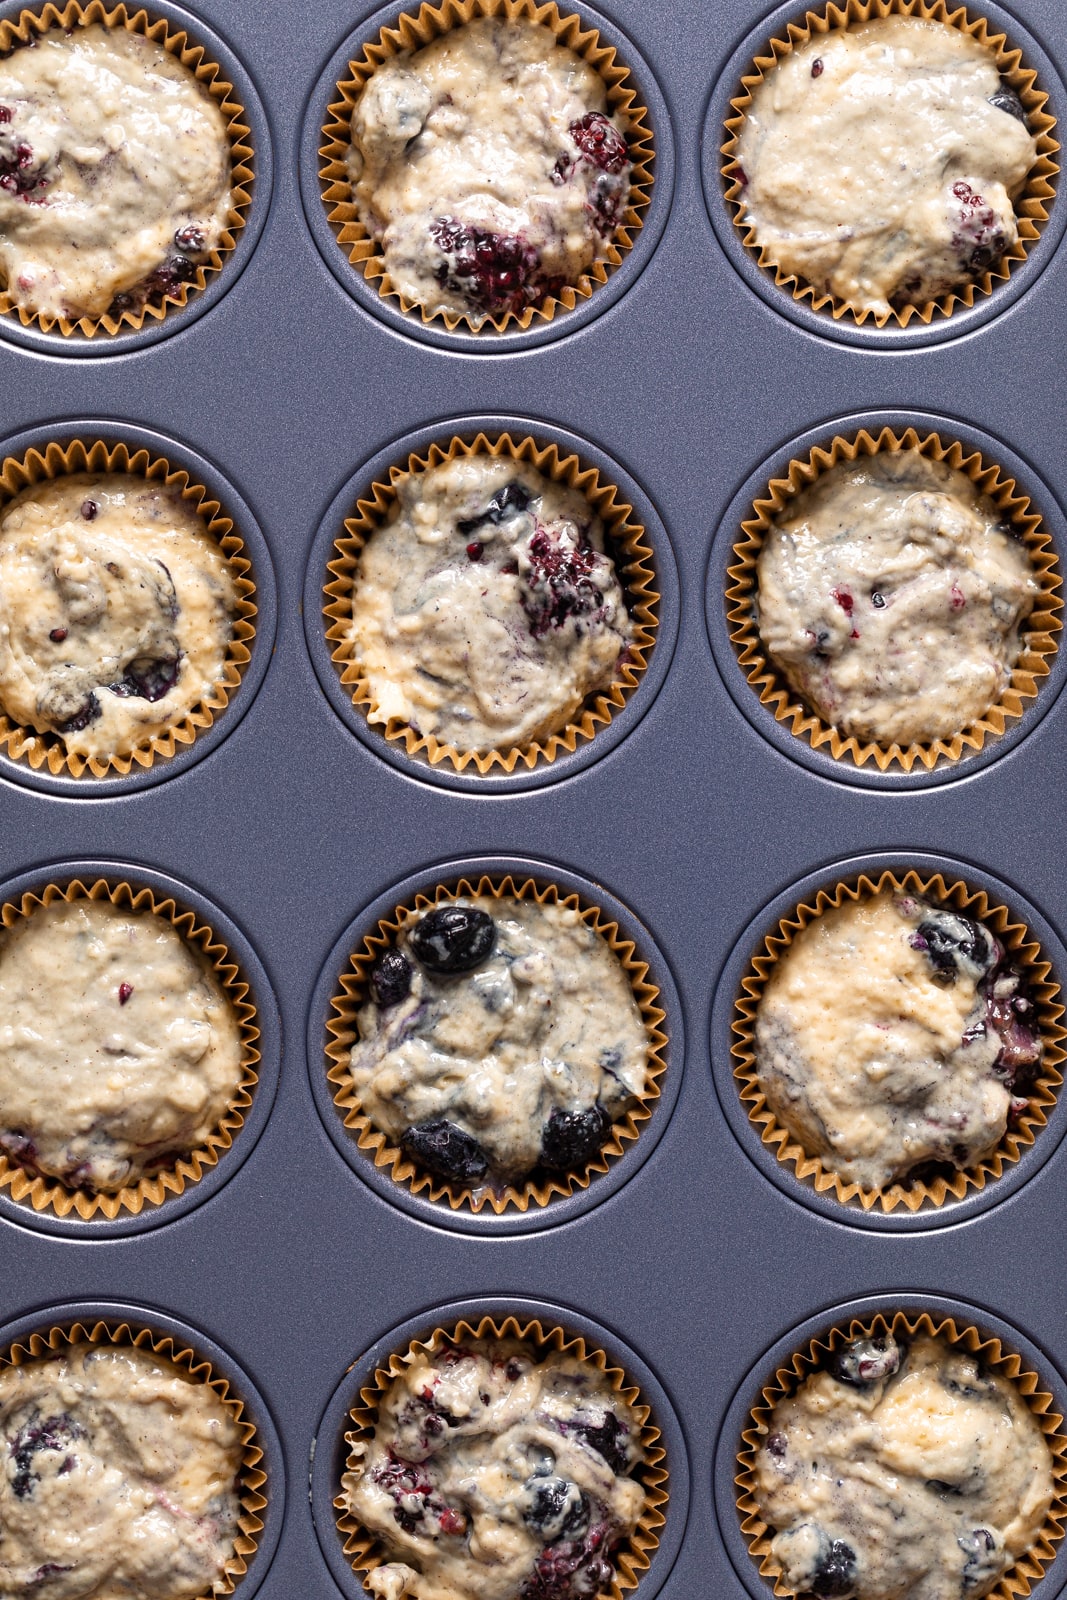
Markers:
point(572, 1138)
point(89, 712)
point(559, 585)
point(866, 1361)
point(147, 679)
point(835, 1572)
point(600, 142)
point(57, 1433)
point(607, 1436)
point(493, 272)
point(572, 1568)
point(979, 239)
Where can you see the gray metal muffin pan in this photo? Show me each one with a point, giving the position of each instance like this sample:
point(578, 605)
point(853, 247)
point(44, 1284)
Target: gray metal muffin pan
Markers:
point(694, 820)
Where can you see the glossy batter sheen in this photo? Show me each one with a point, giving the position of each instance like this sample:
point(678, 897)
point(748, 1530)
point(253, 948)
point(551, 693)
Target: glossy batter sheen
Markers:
point(117, 1045)
point(917, 1475)
point(119, 1478)
point(891, 1033)
point(546, 1025)
point(116, 611)
point(114, 172)
point(497, 1473)
point(487, 168)
point(486, 611)
point(879, 166)
point(891, 597)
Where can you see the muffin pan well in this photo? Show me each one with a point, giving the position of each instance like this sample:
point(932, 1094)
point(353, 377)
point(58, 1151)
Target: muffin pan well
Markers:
point(690, 817)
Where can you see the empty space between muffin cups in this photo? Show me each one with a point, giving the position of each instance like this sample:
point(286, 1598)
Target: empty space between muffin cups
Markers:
point(502, 285)
point(766, 693)
point(990, 272)
point(187, 263)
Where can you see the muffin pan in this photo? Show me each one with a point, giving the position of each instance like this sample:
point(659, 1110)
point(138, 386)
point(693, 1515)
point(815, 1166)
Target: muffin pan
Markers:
point(688, 379)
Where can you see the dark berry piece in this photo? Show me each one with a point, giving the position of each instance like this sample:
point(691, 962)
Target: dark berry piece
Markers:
point(865, 1361)
point(835, 1571)
point(87, 713)
point(570, 1139)
point(562, 169)
point(494, 272)
point(89, 508)
point(453, 939)
point(777, 1445)
point(981, 1564)
point(449, 1151)
point(844, 600)
point(390, 978)
point(50, 1569)
point(979, 239)
point(125, 991)
point(509, 501)
point(6, 113)
point(950, 941)
point(608, 1438)
point(878, 600)
point(475, 550)
point(190, 239)
point(557, 1509)
point(817, 67)
point(559, 583)
point(57, 635)
point(600, 142)
point(146, 679)
point(572, 1568)
point(1007, 100)
point(56, 1434)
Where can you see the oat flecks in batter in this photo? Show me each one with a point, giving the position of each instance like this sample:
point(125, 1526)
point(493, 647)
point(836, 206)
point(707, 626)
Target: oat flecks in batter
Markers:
point(891, 1033)
point(487, 610)
point(891, 596)
point(118, 1046)
point(881, 162)
point(116, 611)
point(120, 1478)
point(488, 168)
point(522, 1053)
point(496, 1473)
point(903, 1474)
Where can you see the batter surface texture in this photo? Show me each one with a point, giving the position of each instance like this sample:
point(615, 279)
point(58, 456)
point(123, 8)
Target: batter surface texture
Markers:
point(487, 610)
point(891, 597)
point(497, 1473)
point(114, 173)
point(487, 168)
point(118, 1048)
point(880, 163)
point(904, 1472)
point(120, 1478)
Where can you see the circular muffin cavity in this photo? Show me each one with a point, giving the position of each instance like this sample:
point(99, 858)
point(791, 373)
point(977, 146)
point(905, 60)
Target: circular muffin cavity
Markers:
point(903, 1461)
point(483, 1467)
point(117, 187)
point(117, 612)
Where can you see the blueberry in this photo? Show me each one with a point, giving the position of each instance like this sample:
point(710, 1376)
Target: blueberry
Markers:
point(608, 1437)
point(981, 1563)
point(950, 942)
point(88, 712)
point(600, 141)
point(89, 508)
point(56, 1434)
point(147, 679)
point(777, 1446)
point(444, 1148)
point(865, 1361)
point(453, 939)
point(1007, 100)
point(390, 978)
point(835, 1571)
point(509, 501)
point(570, 1139)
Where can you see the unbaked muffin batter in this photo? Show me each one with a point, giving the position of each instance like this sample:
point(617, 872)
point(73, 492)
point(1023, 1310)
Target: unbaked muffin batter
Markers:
point(119, 1478)
point(891, 1033)
point(486, 167)
point(116, 611)
point(118, 1047)
point(880, 163)
point(497, 1473)
point(114, 172)
point(903, 1473)
point(487, 610)
point(891, 597)
point(500, 1034)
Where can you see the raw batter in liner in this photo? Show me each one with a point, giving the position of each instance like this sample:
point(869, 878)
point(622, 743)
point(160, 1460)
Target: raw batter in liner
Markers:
point(116, 611)
point(903, 1473)
point(486, 611)
point(486, 167)
point(120, 1478)
point(880, 163)
point(496, 1473)
point(893, 1032)
point(114, 173)
point(119, 1050)
point(500, 1034)
point(891, 597)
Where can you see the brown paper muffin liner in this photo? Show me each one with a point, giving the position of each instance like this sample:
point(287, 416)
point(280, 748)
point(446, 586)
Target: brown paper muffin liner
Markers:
point(28, 25)
point(626, 541)
point(366, 1552)
point(1030, 1568)
point(1025, 952)
point(1038, 635)
point(47, 750)
point(411, 32)
point(343, 1033)
point(252, 1478)
point(1031, 208)
point(46, 1193)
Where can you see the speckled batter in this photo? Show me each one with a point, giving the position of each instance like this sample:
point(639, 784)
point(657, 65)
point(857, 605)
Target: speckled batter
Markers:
point(118, 1047)
point(486, 167)
point(498, 1038)
point(114, 172)
point(891, 597)
point(903, 1474)
point(116, 611)
point(119, 1478)
point(880, 163)
point(892, 1033)
point(487, 610)
point(498, 1473)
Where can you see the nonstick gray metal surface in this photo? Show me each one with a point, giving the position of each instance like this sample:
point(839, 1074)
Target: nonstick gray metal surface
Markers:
point(695, 821)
